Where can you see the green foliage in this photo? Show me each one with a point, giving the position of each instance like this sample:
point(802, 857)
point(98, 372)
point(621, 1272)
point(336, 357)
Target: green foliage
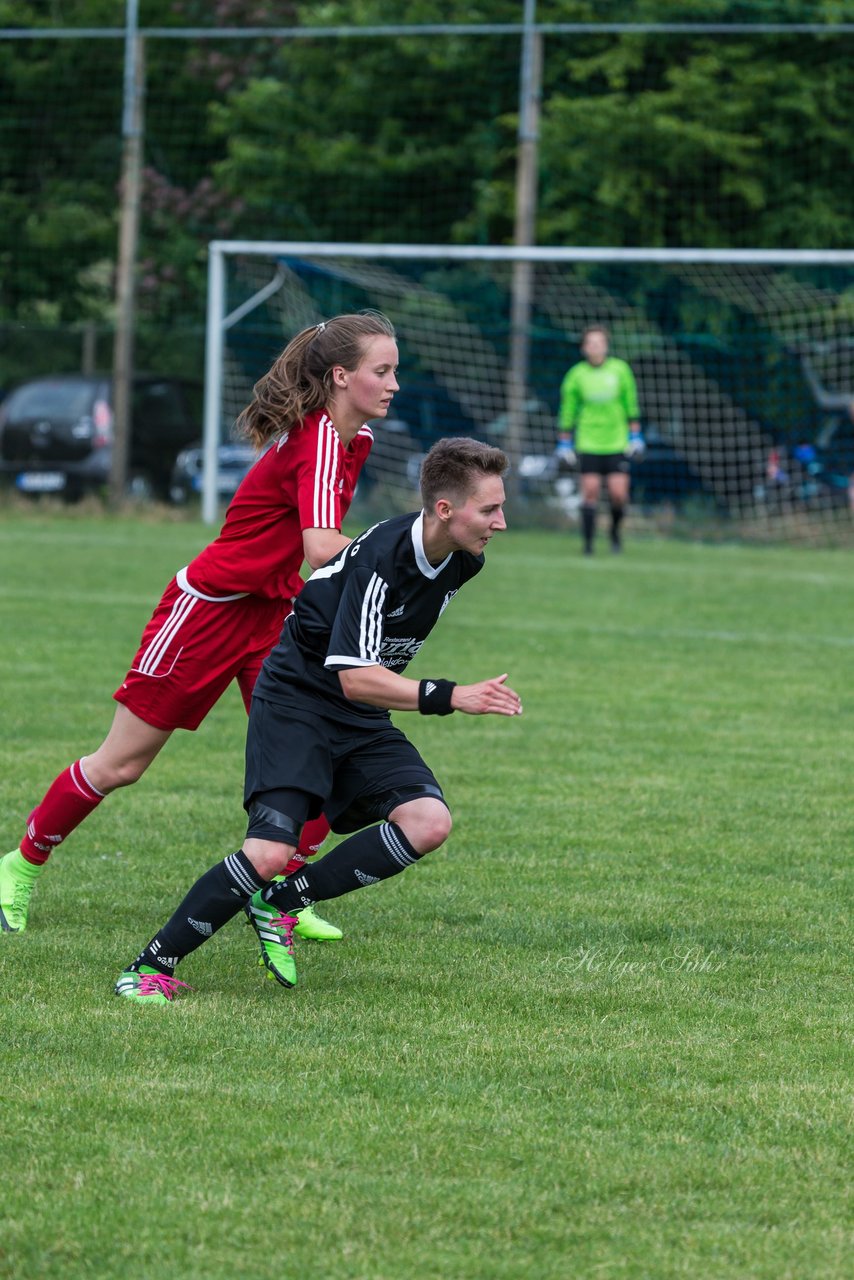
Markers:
point(688, 141)
point(326, 147)
point(655, 139)
point(58, 177)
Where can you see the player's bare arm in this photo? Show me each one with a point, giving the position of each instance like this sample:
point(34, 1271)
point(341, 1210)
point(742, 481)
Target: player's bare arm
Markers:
point(321, 545)
point(379, 687)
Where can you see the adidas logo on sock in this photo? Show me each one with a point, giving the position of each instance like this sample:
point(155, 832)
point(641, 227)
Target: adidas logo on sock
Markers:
point(201, 926)
point(155, 948)
point(51, 840)
point(363, 878)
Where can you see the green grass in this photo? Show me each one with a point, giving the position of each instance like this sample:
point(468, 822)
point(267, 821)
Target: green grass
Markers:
point(605, 1031)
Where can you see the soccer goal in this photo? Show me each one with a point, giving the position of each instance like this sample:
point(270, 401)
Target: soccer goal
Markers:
point(744, 362)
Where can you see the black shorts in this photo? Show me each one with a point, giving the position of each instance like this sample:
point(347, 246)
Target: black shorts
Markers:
point(354, 776)
point(603, 464)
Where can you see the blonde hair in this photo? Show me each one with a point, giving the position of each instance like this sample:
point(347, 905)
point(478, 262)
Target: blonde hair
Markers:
point(298, 382)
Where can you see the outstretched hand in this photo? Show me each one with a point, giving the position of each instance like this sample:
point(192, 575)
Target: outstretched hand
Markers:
point(489, 697)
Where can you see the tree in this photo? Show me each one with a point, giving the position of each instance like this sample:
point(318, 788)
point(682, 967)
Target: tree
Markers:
point(697, 140)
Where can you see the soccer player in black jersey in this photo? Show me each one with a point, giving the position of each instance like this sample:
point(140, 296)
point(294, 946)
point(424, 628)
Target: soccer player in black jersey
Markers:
point(320, 735)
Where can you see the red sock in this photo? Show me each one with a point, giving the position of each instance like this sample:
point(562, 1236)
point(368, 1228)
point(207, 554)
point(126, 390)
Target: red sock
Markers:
point(70, 798)
point(313, 835)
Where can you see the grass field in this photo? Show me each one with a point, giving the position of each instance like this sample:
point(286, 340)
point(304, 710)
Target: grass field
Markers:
point(605, 1032)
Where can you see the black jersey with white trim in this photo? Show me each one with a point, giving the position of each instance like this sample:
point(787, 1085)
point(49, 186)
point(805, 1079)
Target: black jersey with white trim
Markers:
point(374, 604)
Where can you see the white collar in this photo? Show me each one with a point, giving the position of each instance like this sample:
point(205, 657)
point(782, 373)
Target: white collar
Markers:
point(429, 570)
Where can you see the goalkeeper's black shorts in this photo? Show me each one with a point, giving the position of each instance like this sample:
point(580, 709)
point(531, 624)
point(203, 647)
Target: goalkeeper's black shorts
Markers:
point(603, 464)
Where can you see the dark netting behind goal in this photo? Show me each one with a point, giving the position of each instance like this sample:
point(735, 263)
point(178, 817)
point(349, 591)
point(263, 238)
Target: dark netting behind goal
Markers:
point(745, 373)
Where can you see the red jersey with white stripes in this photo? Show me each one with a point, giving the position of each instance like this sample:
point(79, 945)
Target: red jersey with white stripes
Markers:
point(305, 480)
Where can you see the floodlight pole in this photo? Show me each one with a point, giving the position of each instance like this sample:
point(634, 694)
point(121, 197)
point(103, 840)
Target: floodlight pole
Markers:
point(123, 347)
point(530, 91)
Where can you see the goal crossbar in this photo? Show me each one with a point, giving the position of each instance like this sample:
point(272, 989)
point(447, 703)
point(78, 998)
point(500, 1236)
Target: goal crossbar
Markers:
point(219, 319)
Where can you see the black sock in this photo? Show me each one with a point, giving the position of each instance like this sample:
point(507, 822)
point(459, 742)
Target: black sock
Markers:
point(367, 857)
point(617, 513)
point(214, 899)
point(588, 525)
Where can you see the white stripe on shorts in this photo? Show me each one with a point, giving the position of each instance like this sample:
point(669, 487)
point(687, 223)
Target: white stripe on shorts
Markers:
point(151, 658)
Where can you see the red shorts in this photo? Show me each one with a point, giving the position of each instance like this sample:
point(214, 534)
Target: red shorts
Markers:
point(191, 651)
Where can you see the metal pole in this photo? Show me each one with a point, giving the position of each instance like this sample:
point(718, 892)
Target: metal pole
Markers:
point(530, 253)
point(530, 89)
point(218, 323)
point(123, 352)
point(88, 359)
point(213, 381)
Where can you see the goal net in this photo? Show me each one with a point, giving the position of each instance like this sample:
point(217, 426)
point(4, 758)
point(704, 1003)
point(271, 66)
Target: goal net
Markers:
point(744, 364)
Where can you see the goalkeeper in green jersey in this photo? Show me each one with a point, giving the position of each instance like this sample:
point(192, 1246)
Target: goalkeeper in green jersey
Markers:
point(599, 428)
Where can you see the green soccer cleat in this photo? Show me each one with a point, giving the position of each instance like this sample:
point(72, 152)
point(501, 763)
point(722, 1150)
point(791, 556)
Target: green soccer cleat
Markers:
point(276, 936)
point(17, 877)
point(313, 928)
point(148, 985)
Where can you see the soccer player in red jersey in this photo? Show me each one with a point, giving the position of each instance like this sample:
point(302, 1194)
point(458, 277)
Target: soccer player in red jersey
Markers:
point(221, 615)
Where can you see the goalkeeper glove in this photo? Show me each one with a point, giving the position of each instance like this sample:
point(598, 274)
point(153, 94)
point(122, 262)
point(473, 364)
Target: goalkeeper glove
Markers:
point(636, 446)
point(565, 454)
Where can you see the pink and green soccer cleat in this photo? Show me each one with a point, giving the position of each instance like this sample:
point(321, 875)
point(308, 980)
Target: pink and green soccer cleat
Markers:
point(275, 934)
point(148, 985)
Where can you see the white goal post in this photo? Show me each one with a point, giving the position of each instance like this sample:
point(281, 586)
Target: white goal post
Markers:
point(693, 320)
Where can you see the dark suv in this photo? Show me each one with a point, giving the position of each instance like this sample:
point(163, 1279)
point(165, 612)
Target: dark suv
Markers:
point(56, 434)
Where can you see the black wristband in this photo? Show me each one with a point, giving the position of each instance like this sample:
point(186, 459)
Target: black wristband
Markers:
point(434, 697)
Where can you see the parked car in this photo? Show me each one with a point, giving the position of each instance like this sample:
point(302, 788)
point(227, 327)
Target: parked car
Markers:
point(234, 458)
point(661, 475)
point(389, 465)
point(430, 412)
point(56, 433)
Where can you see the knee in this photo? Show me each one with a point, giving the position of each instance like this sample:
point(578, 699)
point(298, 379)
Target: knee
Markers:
point(109, 775)
point(268, 857)
point(129, 771)
point(426, 824)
